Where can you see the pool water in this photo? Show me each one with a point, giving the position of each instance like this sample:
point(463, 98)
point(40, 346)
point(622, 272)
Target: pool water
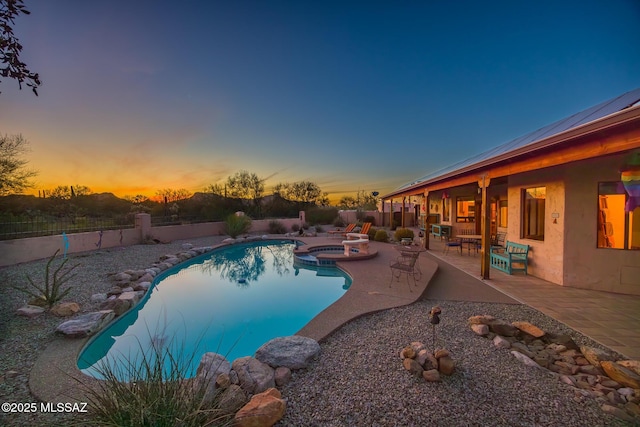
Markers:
point(230, 301)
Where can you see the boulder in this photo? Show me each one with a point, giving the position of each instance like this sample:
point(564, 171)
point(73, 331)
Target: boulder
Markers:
point(502, 328)
point(622, 375)
point(446, 365)
point(98, 298)
point(254, 376)
point(483, 319)
point(524, 359)
point(65, 309)
point(263, 410)
point(232, 399)
point(413, 367)
point(86, 324)
point(408, 353)
point(501, 342)
point(294, 352)
point(596, 356)
point(432, 375)
point(30, 311)
point(634, 365)
point(282, 375)
point(480, 329)
point(530, 329)
point(211, 366)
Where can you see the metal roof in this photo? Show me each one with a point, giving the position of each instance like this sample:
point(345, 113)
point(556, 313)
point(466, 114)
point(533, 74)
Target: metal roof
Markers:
point(599, 111)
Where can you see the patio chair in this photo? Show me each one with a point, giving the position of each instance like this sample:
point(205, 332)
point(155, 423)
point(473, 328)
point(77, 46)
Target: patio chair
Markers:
point(342, 233)
point(406, 263)
point(365, 228)
point(449, 243)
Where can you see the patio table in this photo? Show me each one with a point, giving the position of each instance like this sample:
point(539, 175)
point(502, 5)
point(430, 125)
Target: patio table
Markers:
point(469, 239)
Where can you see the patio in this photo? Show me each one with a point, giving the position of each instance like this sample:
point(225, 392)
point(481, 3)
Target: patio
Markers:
point(611, 319)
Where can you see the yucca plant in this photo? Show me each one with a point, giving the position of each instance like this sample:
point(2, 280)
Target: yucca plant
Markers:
point(236, 225)
point(51, 292)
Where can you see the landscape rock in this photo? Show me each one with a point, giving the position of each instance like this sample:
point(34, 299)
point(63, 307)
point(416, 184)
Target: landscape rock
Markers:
point(524, 359)
point(282, 375)
point(634, 365)
point(480, 329)
point(294, 352)
point(30, 311)
point(65, 309)
point(446, 365)
point(86, 324)
point(413, 367)
point(98, 298)
point(254, 376)
point(232, 399)
point(595, 355)
point(501, 342)
point(530, 329)
point(622, 375)
point(432, 375)
point(502, 328)
point(263, 410)
point(483, 319)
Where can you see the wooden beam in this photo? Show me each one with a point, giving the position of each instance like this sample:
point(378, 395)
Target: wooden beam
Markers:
point(485, 229)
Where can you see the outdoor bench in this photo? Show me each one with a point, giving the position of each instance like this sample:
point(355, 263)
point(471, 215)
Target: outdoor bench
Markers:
point(513, 253)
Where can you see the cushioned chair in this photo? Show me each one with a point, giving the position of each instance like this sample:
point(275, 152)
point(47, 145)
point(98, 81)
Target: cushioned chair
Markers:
point(452, 243)
point(342, 233)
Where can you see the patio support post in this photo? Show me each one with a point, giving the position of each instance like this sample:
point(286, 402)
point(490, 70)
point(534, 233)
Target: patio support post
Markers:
point(402, 213)
point(383, 212)
point(485, 262)
point(426, 220)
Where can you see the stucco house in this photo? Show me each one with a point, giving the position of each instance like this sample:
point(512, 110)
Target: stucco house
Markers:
point(570, 191)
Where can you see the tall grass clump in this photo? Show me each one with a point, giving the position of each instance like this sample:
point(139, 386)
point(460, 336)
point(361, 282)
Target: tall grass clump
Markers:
point(153, 390)
point(51, 291)
point(235, 225)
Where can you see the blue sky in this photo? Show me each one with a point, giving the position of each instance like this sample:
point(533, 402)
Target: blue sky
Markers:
point(352, 95)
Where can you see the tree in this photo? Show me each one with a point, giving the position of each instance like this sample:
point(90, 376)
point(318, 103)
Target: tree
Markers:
point(244, 185)
point(301, 191)
point(10, 48)
point(14, 177)
point(170, 195)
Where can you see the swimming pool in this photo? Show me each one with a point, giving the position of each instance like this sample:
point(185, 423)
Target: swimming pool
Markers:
point(230, 301)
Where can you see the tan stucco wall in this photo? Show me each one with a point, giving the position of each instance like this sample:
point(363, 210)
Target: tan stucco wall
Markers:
point(586, 265)
point(545, 257)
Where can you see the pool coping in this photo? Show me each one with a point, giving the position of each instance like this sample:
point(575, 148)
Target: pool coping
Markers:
point(55, 376)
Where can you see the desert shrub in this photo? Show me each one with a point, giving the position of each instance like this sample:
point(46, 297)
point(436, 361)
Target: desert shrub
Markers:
point(372, 233)
point(370, 219)
point(339, 222)
point(51, 292)
point(321, 215)
point(295, 227)
point(236, 225)
point(305, 226)
point(402, 233)
point(153, 389)
point(381, 236)
point(276, 227)
point(318, 228)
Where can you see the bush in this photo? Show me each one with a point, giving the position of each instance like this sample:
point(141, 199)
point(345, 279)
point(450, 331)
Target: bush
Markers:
point(236, 225)
point(305, 226)
point(372, 233)
point(321, 215)
point(402, 233)
point(318, 228)
point(276, 227)
point(339, 222)
point(295, 227)
point(381, 236)
point(370, 219)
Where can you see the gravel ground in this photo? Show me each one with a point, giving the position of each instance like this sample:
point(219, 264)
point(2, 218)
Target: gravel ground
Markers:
point(357, 381)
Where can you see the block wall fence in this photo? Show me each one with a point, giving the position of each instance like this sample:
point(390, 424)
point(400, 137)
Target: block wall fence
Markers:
point(33, 248)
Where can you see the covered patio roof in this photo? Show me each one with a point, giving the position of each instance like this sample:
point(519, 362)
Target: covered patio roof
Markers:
point(621, 112)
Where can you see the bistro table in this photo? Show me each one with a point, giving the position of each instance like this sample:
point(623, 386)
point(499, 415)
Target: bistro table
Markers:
point(411, 250)
point(469, 239)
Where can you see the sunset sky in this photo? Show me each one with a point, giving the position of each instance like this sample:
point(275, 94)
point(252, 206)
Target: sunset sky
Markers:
point(352, 95)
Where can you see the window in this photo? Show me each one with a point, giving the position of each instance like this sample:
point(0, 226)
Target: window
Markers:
point(503, 209)
point(465, 209)
point(616, 227)
point(533, 213)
